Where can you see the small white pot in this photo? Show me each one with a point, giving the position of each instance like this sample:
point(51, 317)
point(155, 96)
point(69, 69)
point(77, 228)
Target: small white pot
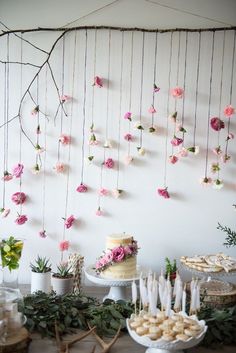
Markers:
point(62, 285)
point(41, 281)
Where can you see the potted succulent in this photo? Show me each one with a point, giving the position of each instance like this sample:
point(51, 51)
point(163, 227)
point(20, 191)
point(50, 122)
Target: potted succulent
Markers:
point(41, 275)
point(11, 250)
point(171, 269)
point(62, 279)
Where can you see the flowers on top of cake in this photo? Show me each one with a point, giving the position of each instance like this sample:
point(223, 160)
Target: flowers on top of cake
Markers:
point(116, 255)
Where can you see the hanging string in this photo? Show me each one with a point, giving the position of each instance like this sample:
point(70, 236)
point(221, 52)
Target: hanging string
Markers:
point(20, 131)
point(131, 83)
point(5, 135)
point(84, 105)
point(120, 104)
point(141, 92)
point(8, 98)
point(168, 110)
point(230, 95)
point(184, 85)
point(209, 103)
point(154, 75)
point(62, 93)
point(38, 157)
point(197, 83)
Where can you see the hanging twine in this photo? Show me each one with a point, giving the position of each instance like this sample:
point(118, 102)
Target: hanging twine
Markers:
point(197, 87)
point(141, 92)
point(184, 84)
point(131, 83)
point(154, 75)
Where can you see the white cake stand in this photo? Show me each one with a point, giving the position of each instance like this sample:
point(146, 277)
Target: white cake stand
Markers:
point(117, 286)
point(161, 346)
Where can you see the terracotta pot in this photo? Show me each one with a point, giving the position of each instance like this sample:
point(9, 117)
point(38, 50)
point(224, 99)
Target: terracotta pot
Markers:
point(41, 281)
point(62, 285)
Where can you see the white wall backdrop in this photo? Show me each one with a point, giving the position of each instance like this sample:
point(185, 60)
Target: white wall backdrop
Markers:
point(186, 223)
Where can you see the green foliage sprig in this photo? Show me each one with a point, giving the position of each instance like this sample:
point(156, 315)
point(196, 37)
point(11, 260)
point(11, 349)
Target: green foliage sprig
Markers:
point(230, 240)
point(171, 268)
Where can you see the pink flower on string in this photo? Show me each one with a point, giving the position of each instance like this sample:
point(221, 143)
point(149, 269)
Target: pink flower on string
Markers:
point(117, 193)
point(18, 170)
point(65, 98)
point(65, 139)
point(217, 124)
point(64, 245)
point(173, 159)
point(176, 141)
point(205, 181)
point(7, 176)
point(217, 150)
point(18, 198)
point(109, 163)
point(98, 82)
point(225, 158)
point(215, 167)
point(69, 221)
point(173, 117)
point(42, 233)
point(141, 151)
point(39, 149)
point(229, 110)
point(99, 212)
point(155, 88)
point(128, 160)
point(180, 128)
point(183, 152)
point(103, 192)
point(38, 130)
point(164, 193)
point(127, 116)
point(194, 149)
point(128, 137)
point(82, 188)
point(35, 110)
point(59, 168)
point(5, 212)
point(230, 136)
point(152, 129)
point(36, 169)
point(21, 219)
point(152, 110)
point(218, 184)
point(118, 254)
point(93, 141)
point(177, 92)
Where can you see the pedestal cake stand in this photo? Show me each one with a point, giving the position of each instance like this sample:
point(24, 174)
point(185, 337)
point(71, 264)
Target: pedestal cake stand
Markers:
point(161, 346)
point(117, 286)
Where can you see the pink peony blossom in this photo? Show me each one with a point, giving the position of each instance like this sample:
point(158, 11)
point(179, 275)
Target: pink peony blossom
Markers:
point(65, 139)
point(82, 188)
point(229, 110)
point(128, 137)
point(103, 192)
point(155, 88)
point(217, 124)
point(99, 212)
point(65, 98)
point(173, 159)
point(7, 176)
point(127, 116)
point(217, 150)
point(118, 254)
point(128, 160)
point(5, 212)
point(183, 152)
point(59, 168)
point(21, 219)
point(42, 233)
point(177, 92)
point(109, 163)
point(69, 221)
point(18, 198)
point(98, 82)
point(152, 110)
point(164, 193)
point(176, 141)
point(64, 245)
point(17, 170)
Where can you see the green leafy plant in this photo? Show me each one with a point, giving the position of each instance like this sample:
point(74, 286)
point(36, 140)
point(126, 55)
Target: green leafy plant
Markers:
point(11, 250)
point(230, 239)
point(41, 265)
point(171, 267)
point(63, 271)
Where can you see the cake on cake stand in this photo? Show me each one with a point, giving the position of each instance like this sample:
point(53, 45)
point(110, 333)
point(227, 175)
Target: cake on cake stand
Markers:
point(117, 285)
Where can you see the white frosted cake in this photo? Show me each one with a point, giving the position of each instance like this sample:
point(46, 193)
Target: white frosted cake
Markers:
point(119, 258)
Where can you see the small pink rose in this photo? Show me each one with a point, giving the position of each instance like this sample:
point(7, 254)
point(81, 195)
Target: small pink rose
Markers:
point(5, 212)
point(7, 176)
point(128, 137)
point(225, 158)
point(109, 256)
point(65, 98)
point(164, 193)
point(155, 88)
point(103, 192)
point(118, 254)
point(229, 110)
point(183, 152)
point(99, 212)
point(18, 170)
point(152, 110)
point(230, 136)
point(98, 82)
point(127, 116)
point(217, 124)
point(18, 198)
point(173, 159)
point(176, 141)
point(42, 233)
point(206, 181)
point(177, 92)
point(217, 150)
point(35, 110)
point(39, 149)
point(59, 168)
point(109, 163)
point(128, 160)
point(64, 245)
point(82, 188)
point(21, 219)
point(127, 250)
point(69, 221)
point(65, 139)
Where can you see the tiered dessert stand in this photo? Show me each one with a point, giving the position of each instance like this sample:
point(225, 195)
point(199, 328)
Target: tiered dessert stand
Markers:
point(117, 286)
